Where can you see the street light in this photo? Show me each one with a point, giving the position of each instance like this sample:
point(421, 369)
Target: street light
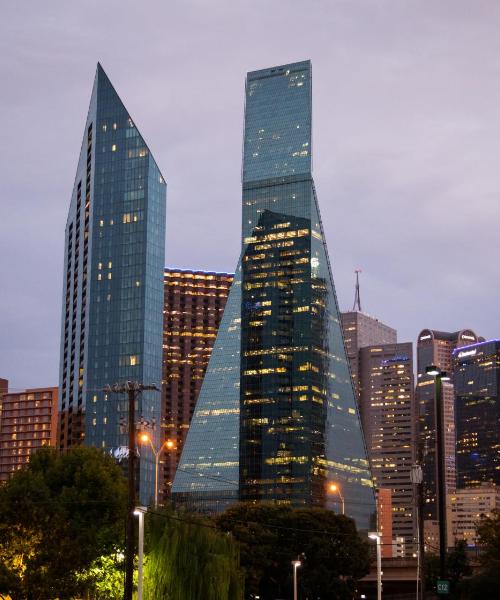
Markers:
point(334, 488)
point(439, 377)
point(374, 535)
point(139, 512)
point(145, 438)
point(296, 564)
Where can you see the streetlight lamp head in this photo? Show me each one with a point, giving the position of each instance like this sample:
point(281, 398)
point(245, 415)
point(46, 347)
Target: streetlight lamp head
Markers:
point(144, 438)
point(296, 563)
point(432, 370)
point(445, 376)
point(374, 535)
point(170, 444)
point(333, 487)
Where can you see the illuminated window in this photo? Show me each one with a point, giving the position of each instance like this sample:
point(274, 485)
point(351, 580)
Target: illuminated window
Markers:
point(113, 148)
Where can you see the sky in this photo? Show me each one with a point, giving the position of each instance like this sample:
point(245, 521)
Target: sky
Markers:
point(406, 146)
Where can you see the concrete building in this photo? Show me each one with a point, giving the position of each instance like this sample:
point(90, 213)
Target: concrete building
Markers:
point(361, 330)
point(28, 422)
point(466, 507)
point(384, 520)
point(193, 308)
point(387, 407)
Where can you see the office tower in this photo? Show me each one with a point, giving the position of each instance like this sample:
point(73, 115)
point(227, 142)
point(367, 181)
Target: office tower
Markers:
point(360, 331)
point(4, 386)
point(276, 418)
point(466, 508)
point(387, 407)
point(193, 308)
point(28, 421)
point(435, 348)
point(476, 378)
point(113, 283)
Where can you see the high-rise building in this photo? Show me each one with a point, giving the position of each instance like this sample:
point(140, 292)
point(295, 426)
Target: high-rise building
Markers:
point(466, 508)
point(387, 407)
point(277, 418)
point(28, 421)
point(362, 330)
point(114, 255)
point(476, 378)
point(193, 308)
point(435, 348)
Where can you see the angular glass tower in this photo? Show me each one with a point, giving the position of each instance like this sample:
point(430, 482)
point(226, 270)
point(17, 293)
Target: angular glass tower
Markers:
point(112, 315)
point(276, 418)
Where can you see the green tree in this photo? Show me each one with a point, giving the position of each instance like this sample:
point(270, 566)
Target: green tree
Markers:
point(486, 584)
point(333, 554)
point(488, 532)
point(57, 516)
point(188, 559)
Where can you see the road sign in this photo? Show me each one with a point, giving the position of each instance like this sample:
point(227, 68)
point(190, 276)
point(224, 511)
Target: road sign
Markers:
point(443, 586)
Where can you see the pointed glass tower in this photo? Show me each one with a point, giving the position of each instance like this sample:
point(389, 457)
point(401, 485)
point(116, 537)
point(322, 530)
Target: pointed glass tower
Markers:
point(278, 421)
point(112, 315)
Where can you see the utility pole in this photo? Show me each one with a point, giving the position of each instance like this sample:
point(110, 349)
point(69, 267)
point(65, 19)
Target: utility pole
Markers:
point(131, 388)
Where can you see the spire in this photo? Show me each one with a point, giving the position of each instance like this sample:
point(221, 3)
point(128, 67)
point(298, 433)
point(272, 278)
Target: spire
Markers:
point(357, 298)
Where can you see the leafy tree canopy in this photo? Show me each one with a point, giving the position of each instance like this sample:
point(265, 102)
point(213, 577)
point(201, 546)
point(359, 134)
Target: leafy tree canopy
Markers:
point(189, 559)
point(332, 553)
point(57, 516)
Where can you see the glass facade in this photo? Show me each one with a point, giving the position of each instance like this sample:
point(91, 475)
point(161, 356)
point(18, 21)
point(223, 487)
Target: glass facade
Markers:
point(477, 413)
point(113, 288)
point(295, 419)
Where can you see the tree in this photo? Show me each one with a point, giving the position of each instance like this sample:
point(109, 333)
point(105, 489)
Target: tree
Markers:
point(457, 565)
point(486, 584)
point(488, 532)
point(188, 559)
point(333, 555)
point(57, 516)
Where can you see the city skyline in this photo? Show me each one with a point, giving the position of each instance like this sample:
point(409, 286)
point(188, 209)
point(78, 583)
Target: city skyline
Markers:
point(408, 130)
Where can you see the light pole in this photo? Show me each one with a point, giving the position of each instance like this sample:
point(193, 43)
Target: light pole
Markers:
point(439, 377)
point(145, 438)
point(334, 488)
point(416, 477)
point(376, 536)
point(139, 512)
point(296, 564)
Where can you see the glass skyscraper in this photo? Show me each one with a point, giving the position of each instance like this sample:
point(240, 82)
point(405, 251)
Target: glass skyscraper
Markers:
point(276, 418)
point(112, 315)
point(477, 413)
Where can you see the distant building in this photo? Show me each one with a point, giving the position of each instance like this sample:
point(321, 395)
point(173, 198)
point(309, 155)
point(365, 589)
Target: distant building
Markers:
point(193, 308)
point(28, 422)
point(436, 348)
point(387, 407)
point(114, 256)
point(477, 415)
point(384, 520)
point(4, 385)
point(361, 330)
point(466, 508)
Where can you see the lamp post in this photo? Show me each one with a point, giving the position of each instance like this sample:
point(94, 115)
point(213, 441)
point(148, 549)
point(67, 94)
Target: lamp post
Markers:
point(296, 564)
point(145, 438)
point(416, 477)
point(439, 377)
point(139, 512)
point(334, 488)
point(375, 535)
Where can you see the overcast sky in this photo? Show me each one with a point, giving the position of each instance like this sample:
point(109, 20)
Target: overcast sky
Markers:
point(406, 146)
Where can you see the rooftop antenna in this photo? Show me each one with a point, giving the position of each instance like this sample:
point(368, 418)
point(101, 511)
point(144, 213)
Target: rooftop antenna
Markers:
point(357, 298)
